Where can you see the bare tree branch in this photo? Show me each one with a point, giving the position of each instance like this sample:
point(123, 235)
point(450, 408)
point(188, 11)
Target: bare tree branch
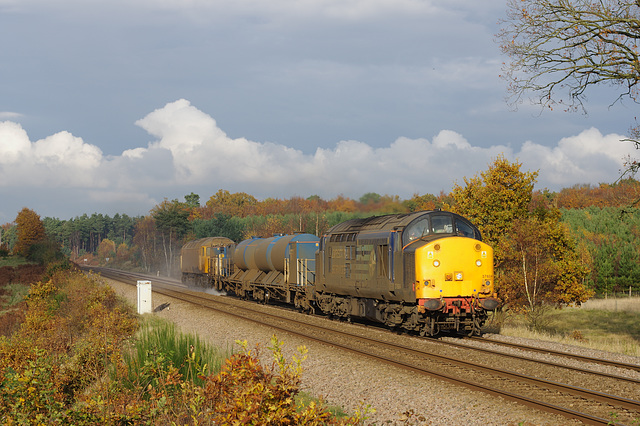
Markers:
point(560, 48)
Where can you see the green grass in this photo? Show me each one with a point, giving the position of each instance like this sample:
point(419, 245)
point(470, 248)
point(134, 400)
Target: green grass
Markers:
point(159, 342)
point(303, 399)
point(17, 293)
point(13, 261)
point(608, 330)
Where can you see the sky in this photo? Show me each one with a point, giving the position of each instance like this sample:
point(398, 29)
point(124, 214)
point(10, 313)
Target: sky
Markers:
point(113, 106)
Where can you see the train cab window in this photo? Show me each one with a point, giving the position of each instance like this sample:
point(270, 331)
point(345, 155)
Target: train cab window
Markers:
point(464, 229)
point(415, 230)
point(441, 224)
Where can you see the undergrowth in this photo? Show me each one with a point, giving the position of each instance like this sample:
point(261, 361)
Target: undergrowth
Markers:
point(79, 357)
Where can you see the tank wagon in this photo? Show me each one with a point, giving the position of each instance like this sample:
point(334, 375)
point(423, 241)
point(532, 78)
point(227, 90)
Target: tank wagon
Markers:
point(426, 272)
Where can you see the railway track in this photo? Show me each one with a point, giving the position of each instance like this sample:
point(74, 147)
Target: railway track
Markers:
point(591, 362)
point(570, 400)
point(623, 365)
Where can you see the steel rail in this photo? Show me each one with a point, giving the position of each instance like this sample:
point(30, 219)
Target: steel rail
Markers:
point(198, 299)
point(538, 361)
point(584, 358)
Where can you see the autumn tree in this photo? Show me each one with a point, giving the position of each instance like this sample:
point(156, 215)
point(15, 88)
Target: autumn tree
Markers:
point(106, 250)
point(30, 230)
point(535, 260)
point(123, 253)
point(424, 202)
point(495, 199)
point(342, 204)
point(540, 267)
point(234, 204)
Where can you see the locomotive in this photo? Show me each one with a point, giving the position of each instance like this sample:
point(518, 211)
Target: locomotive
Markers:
point(424, 272)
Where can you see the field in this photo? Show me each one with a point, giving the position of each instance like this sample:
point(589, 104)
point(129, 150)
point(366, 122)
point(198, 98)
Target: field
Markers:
point(626, 304)
point(12, 261)
point(607, 324)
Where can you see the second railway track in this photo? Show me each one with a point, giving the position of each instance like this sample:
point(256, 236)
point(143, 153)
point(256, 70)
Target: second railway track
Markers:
point(591, 405)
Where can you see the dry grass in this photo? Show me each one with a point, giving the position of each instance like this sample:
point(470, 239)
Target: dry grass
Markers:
point(613, 343)
point(598, 326)
point(624, 304)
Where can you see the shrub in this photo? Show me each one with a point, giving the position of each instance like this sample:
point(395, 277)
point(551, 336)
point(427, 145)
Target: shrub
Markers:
point(53, 370)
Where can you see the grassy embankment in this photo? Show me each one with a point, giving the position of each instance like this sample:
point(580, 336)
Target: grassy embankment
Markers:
point(12, 290)
point(13, 261)
point(607, 324)
point(73, 352)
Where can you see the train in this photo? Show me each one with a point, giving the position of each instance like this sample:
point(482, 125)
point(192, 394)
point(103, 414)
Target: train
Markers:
point(426, 272)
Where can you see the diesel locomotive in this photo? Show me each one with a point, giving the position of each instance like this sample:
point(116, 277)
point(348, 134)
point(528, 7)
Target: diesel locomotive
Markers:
point(425, 271)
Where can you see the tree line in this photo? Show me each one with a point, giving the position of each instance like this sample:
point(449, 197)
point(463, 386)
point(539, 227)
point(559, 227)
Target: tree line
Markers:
point(580, 239)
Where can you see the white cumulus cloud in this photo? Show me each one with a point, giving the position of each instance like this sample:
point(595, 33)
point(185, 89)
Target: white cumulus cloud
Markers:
point(189, 152)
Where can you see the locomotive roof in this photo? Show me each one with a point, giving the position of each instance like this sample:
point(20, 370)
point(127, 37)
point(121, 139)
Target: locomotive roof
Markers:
point(382, 223)
point(208, 241)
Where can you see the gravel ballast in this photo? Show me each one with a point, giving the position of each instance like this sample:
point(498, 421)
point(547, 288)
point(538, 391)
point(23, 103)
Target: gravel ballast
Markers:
point(351, 381)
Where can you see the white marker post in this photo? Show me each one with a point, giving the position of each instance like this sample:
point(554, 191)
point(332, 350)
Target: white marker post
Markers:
point(144, 297)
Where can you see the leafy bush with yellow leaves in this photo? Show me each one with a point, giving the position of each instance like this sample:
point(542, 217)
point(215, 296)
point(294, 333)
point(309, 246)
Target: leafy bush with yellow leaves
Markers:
point(68, 364)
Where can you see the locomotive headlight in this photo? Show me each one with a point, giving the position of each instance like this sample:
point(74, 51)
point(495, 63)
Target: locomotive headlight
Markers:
point(478, 263)
point(436, 263)
point(487, 283)
point(458, 276)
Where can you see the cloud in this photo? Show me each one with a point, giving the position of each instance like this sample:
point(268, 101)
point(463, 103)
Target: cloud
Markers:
point(189, 152)
point(588, 157)
point(60, 160)
point(8, 115)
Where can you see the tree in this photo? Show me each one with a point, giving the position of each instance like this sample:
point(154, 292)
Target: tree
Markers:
point(536, 262)
point(560, 48)
point(369, 198)
point(221, 225)
point(30, 230)
point(144, 240)
point(192, 200)
point(342, 204)
point(420, 202)
point(236, 204)
point(9, 236)
point(540, 267)
point(106, 250)
point(172, 221)
point(495, 199)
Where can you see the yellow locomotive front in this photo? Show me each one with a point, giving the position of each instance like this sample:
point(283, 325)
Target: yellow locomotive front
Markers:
point(453, 273)
point(451, 269)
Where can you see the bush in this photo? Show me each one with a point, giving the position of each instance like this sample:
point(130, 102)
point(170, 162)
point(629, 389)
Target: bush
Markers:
point(44, 252)
point(55, 368)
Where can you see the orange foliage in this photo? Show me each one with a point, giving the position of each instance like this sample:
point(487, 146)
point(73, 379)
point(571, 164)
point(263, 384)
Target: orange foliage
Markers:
point(342, 204)
point(620, 194)
point(30, 231)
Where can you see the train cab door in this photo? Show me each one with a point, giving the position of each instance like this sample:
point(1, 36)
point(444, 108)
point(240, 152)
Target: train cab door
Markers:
point(203, 265)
